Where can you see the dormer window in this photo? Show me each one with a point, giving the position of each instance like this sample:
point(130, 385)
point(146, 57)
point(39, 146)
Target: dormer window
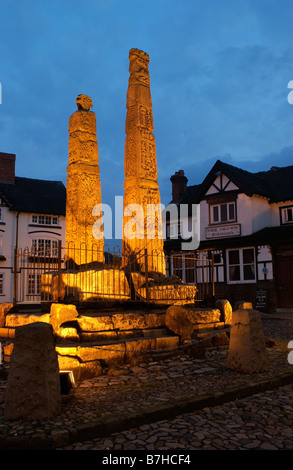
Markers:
point(222, 213)
point(287, 215)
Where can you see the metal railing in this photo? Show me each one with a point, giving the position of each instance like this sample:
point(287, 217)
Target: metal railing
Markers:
point(55, 274)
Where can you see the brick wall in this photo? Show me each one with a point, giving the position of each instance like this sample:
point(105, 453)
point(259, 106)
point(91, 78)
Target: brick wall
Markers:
point(7, 167)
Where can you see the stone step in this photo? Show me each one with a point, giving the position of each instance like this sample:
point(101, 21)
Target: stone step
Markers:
point(89, 360)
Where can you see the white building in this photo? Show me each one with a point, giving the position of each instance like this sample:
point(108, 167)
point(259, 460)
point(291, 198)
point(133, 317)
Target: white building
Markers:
point(246, 223)
point(32, 216)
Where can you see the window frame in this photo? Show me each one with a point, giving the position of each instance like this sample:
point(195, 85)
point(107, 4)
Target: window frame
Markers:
point(2, 283)
point(45, 220)
point(283, 211)
point(241, 265)
point(218, 206)
point(44, 247)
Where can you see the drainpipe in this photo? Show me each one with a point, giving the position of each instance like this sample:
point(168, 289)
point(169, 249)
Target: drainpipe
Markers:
point(15, 263)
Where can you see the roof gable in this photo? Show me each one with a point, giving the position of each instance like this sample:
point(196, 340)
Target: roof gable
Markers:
point(274, 184)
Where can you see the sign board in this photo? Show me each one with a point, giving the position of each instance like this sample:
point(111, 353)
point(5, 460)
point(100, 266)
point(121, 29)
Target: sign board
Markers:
point(232, 230)
point(261, 298)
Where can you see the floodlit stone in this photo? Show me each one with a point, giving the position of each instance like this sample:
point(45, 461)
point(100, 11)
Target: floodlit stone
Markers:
point(243, 305)
point(33, 387)
point(4, 309)
point(67, 333)
point(92, 284)
point(62, 313)
point(141, 230)
point(83, 191)
point(178, 322)
point(128, 321)
point(247, 351)
point(19, 319)
point(95, 323)
point(226, 310)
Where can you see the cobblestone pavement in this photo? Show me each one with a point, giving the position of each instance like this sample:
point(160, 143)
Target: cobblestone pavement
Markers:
point(176, 403)
point(263, 421)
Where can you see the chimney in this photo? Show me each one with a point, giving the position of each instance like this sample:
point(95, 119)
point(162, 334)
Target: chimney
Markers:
point(7, 167)
point(179, 186)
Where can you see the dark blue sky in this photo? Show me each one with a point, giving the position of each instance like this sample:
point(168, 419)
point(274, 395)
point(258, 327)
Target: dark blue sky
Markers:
point(219, 73)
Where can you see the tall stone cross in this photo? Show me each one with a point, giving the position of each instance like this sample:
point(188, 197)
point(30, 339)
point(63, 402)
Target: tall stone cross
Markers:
point(83, 190)
point(142, 221)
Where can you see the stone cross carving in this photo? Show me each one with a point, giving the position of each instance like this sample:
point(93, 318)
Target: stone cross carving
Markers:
point(140, 167)
point(83, 190)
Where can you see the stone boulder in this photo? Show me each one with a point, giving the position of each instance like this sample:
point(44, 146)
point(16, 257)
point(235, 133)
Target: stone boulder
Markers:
point(226, 310)
point(33, 386)
point(183, 320)
point(247, 351)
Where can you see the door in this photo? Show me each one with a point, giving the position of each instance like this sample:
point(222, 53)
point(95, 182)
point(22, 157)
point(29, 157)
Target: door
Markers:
point(284, 271)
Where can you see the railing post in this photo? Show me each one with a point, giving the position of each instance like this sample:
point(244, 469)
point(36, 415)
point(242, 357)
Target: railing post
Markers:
point(146, 277)
point(15, 278)
point(213, 275)
point(59, 269)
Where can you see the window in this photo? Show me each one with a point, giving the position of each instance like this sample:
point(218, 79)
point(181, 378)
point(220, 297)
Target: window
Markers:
point(287, 215)
point(189, 269)
point(1, 283)
point(221, 213)
point(45, 247)
point(45, 220)
point(241, 265)
point(34, 284)
point(177, 266)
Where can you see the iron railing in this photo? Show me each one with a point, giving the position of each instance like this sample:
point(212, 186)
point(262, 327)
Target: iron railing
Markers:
point(49, 274)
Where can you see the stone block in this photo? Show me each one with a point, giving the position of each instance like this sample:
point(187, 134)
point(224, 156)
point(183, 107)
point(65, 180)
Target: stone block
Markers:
point(4, 309)
point(139, 347)
point(62, 313)
point(247, 351)
point(155, 320)
point(67, 333)
point(94, 324)
point(14, 320)
point(186, 316)
point(128, 321)
point(226, 310)
point(167, 342)
point(33, 386)
point(178, 322)
point(108, 284)
point(243, 305)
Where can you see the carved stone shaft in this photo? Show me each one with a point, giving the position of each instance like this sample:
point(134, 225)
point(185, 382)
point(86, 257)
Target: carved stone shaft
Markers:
point(83, 190)
point(140, 167)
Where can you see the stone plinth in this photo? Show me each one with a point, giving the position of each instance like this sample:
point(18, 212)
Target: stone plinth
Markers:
point(247, 351)
point(83, 190)
point(33, 388)
point(86, 285)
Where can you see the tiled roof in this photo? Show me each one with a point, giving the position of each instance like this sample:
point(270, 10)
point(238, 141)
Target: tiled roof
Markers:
point(35, 196)
point(274, 184)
